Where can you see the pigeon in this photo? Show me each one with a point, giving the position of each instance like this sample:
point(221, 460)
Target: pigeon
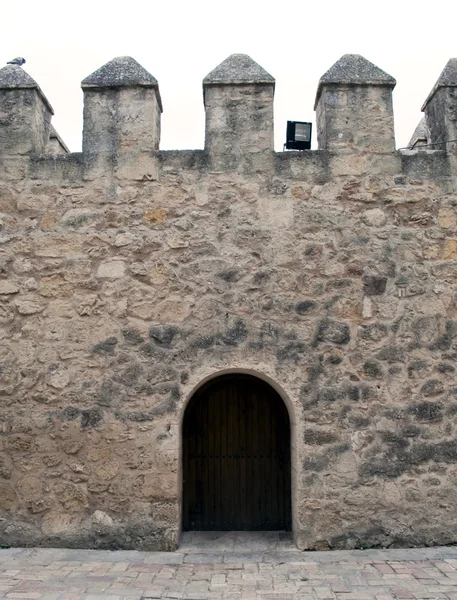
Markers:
point(17, 61)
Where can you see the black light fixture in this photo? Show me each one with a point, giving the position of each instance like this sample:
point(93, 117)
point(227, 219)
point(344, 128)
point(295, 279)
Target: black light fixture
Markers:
point(298, 136)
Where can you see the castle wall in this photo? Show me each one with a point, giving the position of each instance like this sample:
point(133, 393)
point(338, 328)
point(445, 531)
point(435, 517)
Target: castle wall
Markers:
point(331, 275)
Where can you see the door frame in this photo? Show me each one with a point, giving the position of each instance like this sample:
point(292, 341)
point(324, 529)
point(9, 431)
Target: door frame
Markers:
point(293, 435)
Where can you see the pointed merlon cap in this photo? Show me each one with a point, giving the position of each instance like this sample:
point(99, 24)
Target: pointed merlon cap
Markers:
point(53, 135)
point(354, 69)
point(123, 71)
point(448, 78)
point(420, 136)
point(14, 77)
point(238, 69)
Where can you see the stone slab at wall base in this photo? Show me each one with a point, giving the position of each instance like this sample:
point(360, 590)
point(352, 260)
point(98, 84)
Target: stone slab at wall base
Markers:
point(142, 535)
point(63, 531)
point(130, 277)
point(380, 537)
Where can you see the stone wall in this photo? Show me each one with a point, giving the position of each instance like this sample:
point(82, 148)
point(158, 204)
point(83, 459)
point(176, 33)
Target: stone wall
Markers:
point(129, 278)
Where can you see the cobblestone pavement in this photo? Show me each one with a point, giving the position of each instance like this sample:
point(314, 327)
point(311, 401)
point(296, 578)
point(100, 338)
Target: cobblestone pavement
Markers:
point(230, 566)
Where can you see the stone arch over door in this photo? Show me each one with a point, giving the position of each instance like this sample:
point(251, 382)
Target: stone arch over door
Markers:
point(236, 456)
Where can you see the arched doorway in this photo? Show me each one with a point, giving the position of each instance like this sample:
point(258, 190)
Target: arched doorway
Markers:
point(236, 457)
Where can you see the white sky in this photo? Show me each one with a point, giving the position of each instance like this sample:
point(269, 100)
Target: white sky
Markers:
point(180, 41)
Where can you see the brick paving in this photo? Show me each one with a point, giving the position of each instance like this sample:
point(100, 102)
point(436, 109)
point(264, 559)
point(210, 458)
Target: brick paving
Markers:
point(230, 568)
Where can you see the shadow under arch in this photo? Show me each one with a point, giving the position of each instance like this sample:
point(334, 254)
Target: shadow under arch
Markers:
point(264, 392)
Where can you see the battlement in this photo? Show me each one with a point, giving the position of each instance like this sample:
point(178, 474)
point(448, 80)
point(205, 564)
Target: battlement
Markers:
point(122, 113)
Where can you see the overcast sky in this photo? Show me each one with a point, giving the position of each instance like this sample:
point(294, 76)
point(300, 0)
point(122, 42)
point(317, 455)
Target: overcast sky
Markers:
point(180, 41)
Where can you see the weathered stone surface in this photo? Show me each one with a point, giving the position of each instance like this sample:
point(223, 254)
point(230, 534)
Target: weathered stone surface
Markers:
point(236, 69)
point(119, 72)
point(355, 81)
point(357, 70)
point(374, 285)
point(8, 287)
point(129, 277)
point(420, 136)
point(25, 113)
point(447, 78)
point(102, 523)
point(114, 269)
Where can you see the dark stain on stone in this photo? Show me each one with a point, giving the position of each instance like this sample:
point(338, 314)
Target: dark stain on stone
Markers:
point(107, 347)
point(291, 352)
point(374, 331)
point(354, 269)
point(316, 463)
point(338, 449)
point(91, 418)
point(395, 325)
point(374, 537)
point(137, 417)
point(444, 341)
point(160, 374)
point(315, 370)
point(203, 342)
point(416, 367)
point(330, 394)
point(304, 307)
point(374, 285)
point(373, 369)
point(318, 437)
point(290, 335)
point(368, 392)
point(109, 392)
point(175, 392)
point(396, 441)
point(184, 377)
point(152, 350)
point(276, 187)
point(334, 359)
point(353, 393)
point(432, 387)
point(411, 431)
point(268, 305)
point(359, 422)
point(236, 334)
point(132, 336)
point(397, 461)
point(446, 368)
point(163, 336)
point(229, 275)
point(162, 389)
point(130, 375)
point(426, 411)
point(391, 354)
point(313, 251)
point(261, 277)
point(382, 468)
point(70, 413)
point(338, 284)
point(393, 413)
point(307, 398)
point(225, 212)
point(333, 332)
point(330, 302)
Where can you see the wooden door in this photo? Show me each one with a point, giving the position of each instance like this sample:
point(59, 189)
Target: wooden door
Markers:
point(236, 458)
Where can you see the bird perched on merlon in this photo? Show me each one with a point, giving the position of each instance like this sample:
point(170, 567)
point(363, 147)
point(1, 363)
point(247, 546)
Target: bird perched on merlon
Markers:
point(17, 61)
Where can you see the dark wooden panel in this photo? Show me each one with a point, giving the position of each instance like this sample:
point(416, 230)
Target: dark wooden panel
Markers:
point(236, 457)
